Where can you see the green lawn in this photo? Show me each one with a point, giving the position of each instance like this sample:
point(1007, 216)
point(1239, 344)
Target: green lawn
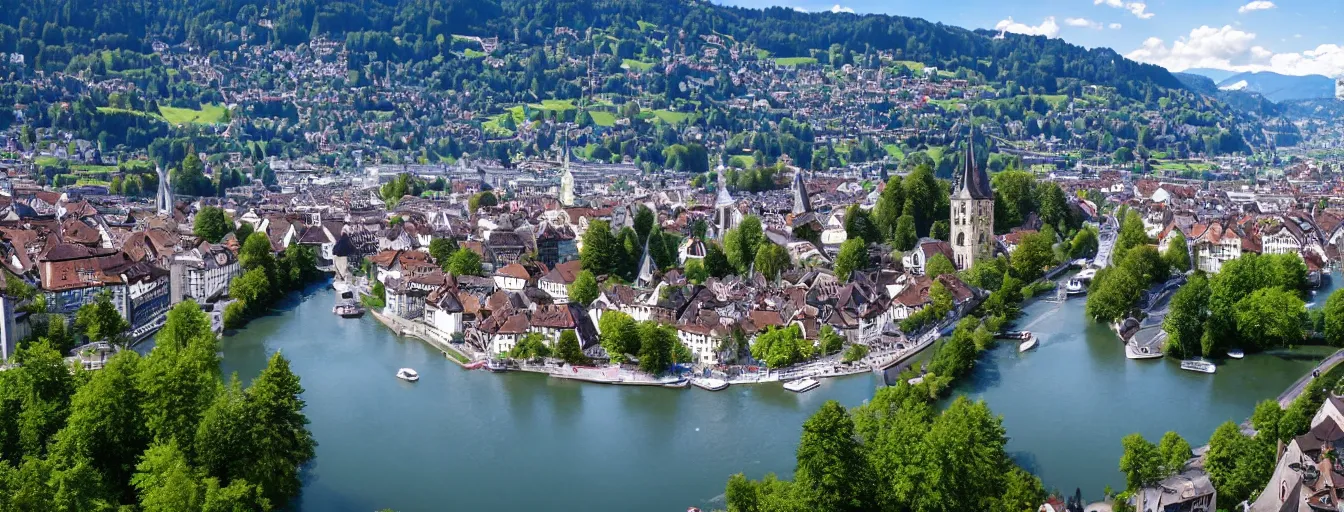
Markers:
point(645, 26)
point(762, 54)
point(894, 151)
point(636, 65)
point(51, 161)
point(493, 127)
point(795, 61)
point(472, 53)
point(1179, 166)
point(208, 114)
point(951, 104)
point(917, 67)
point(670, 117)
point(602, 117)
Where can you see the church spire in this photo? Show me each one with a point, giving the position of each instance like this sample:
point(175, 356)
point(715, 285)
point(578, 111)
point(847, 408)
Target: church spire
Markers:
point(973, 178)
point(801, 203)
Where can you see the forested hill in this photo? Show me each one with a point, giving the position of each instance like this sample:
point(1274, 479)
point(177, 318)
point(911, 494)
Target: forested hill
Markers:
point(413, 30)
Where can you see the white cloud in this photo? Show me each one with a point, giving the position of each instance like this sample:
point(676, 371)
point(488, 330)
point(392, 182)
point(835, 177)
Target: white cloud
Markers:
point(800, 9)
point(1047, 28)
point(1138, 9)
point(838, 9)
point(1233, 49)
point(1116, 26)
point(1082, 22)
point(1257, 5)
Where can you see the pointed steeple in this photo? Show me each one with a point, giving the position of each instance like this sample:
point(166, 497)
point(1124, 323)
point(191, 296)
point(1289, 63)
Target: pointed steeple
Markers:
point(801, 203)
point(973, 179)
point(646, 266)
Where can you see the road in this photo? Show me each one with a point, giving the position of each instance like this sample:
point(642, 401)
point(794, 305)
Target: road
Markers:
point(1298, 387)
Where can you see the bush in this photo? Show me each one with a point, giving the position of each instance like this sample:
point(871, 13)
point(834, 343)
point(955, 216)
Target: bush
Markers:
point(855, 353)
point(235, 315)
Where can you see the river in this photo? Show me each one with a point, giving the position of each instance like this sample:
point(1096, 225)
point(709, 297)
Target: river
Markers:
point(472, 440)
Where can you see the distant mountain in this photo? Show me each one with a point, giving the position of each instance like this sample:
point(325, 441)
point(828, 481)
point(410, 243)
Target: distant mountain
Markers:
point(1217, 75)
point(1278, 88)
point(1198, 83)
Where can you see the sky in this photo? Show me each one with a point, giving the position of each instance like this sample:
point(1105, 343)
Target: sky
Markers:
point(1292, 37)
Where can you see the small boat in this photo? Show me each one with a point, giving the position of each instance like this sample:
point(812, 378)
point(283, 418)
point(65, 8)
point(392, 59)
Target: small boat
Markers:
point(680, 383)
point(1310, 305)
point(1236, 353)
point(408, 375)
point(710, 384)
point(802, 385)
point(1014, 335)
point(474, 365)
point(1027, 345)
point(349, 310)
point(1197, 365)
point(1075, 287)
point(497, 365)
point(1134, 351)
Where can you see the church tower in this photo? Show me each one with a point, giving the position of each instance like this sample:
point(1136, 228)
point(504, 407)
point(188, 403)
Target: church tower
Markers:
point(163, 200)
point(972, 213)
point(801, 203)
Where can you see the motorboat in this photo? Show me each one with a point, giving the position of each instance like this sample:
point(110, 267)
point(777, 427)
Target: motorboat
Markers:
point(1134, 351)
point(679, 383)
point(1014, 335)
point(497, 365)
point(1236, 353)
point(802, 385)
point(710, 384)
point(1027, 345)
point(408, 375)
point(1198, 365)
point(1075, 287)
point(348, 310)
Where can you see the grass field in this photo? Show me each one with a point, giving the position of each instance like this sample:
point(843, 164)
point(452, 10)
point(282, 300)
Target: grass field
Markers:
point(670, 117)
point(472, 53)
point(951, 104)
point(208, 114)
point(1179, 166)
point(917, 67)
point(51, 161)
point(493, 126)
point(637, 65)
point(602, 117)
point(795, 61)
point(894, 151)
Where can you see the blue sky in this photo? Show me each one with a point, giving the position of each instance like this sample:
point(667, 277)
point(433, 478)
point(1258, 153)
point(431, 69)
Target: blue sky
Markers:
point(1288, 36)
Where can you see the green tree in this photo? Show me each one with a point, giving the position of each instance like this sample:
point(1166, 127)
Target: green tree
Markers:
point(253, 288)
point(442, 249)
point(1265, 420)
point(903, 237)
point(1173, 451)
point(853, 256)
point(1271, 317)
point(1334, 318)
point(939, 265)
point(890, 206)
point(568, 348)
point(211, 224)
point(256, 252)
point(105, 426)
point(281, 440)
point(600, 249)
point(859, 224)
point(1113, 293)
point(833, 472)
point(100, 321)
point(1184, 323)
point(1033, 255)
point(531, 346)
point(1141, 462)
point(1132, 234)
point(831, 341)
point(716, 261)
point(695, 271)
point(1178, 252)
point(166, 482)
point(619, 334)
point(583, 290)
point(482, 200)
point(1238, 465)
point(465, 262)
point(1084, 244)
point(741, 243)
point(656, 345)
point(771, 259)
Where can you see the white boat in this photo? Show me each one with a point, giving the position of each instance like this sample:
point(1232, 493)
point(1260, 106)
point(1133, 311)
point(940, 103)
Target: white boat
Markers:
point(408, 375)
point(802, 385)
point(1196, 365)
point(1075, 287)
point(1027, 345)
point(1236, 353)
point(710, 384)
point(1133, 351)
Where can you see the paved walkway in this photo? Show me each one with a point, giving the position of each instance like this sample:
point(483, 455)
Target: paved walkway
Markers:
point(1327, 364)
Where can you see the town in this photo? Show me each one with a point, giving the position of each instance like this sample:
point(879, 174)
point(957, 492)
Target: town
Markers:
point(876, 235)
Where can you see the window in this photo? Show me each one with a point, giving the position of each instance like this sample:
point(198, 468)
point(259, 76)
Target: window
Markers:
point(961, 239)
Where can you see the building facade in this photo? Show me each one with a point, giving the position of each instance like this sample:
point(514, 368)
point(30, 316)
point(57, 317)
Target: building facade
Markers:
point(972, 214)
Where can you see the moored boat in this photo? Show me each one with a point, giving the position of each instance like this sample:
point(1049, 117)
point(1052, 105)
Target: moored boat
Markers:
point(710, 384)
point(1075, 287)
point(408, 375)
point(348, 310)
point(497, 365)
point(1236, 353)
point(1027, 345)
point(1197, 365)
point(802, 385)
point(1134, 351)
point(679, 383)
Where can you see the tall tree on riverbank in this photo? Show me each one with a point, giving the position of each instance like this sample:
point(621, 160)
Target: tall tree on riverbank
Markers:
point(1334, 319)
point(833, 473)
point(853, 256)
point(1184, 323)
